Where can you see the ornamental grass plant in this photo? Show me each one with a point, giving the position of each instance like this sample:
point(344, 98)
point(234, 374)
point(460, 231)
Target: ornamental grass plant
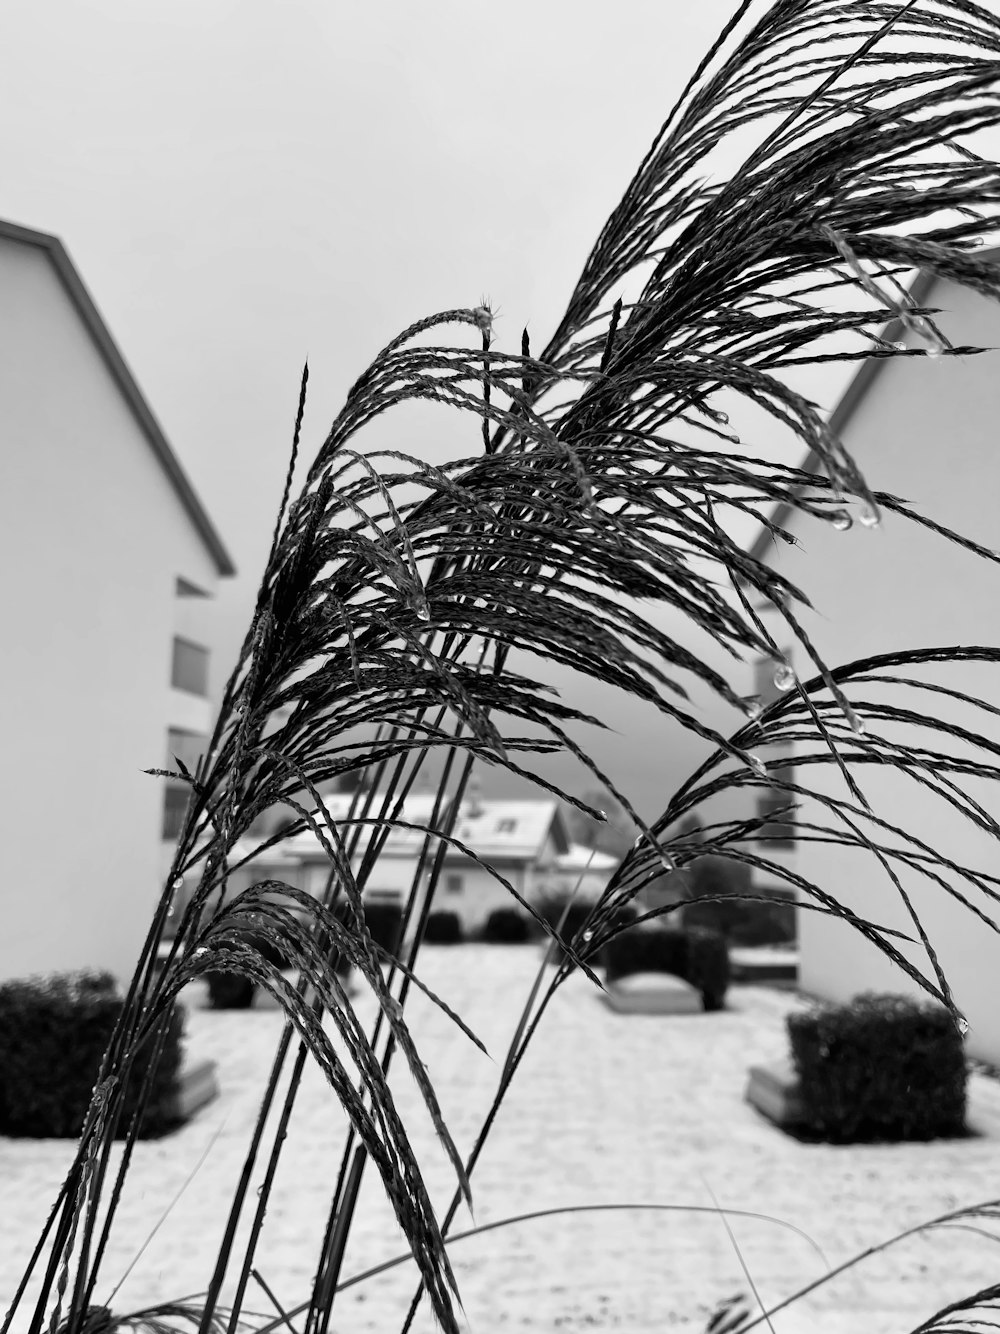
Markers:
point(401, 601)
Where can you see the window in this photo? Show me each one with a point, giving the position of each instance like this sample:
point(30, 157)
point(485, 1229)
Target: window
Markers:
point(506, 826)
point(175, 800)
point(184, 588)
point(189, 667)
point(188, 747)
point(453, 884)
point(781, 831)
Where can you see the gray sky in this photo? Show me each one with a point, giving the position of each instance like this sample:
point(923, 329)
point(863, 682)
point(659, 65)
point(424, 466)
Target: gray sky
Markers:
point(246, 184)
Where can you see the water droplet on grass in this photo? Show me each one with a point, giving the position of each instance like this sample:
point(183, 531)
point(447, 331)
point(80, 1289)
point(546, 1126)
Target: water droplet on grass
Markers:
point(963, 1025)
point(757, 765)
point(784, 677)
point(752, 707)
point(841, 520)
point(869, 516)
point(933, 351)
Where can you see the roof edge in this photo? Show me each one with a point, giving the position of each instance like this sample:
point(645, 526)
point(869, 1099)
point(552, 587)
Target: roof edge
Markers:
point(849, 402)
point(116, 364)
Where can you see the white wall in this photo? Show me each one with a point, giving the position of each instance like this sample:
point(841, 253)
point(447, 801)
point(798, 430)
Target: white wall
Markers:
point(92, 540)
point(926, 432)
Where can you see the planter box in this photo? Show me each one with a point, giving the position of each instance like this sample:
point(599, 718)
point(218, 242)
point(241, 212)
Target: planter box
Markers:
point(652, 993)
point(763, 965)
point(774, 1090)
point(196, 1086)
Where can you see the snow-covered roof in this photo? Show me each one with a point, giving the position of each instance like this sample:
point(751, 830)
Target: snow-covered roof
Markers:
point(582, 858)
point(496, 830)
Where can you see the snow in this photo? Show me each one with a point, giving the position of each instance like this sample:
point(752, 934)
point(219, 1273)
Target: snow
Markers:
point(640, 1109)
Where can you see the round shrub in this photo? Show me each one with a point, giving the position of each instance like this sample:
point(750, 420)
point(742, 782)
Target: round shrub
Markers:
point(443, 928)
point(506, 926)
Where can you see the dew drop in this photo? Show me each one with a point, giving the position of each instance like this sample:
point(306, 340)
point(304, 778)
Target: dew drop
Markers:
point(933, 351)
point(857, 726)
point(602, 815)
point(784, 677)
point(423, 611)
point(899, 347)
point(974, 242)
point(588, 935)
point(869, 516)
point(752, 707)
point(722, 418)
point(963, 1025)
point(667, 862)
point(841, 520)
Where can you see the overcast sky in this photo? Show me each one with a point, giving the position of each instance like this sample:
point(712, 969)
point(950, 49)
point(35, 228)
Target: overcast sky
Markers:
point(243, 185)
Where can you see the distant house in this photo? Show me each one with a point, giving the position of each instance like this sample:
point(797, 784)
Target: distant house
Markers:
point(520, 840)
point(109, 563)
point(924, 429)
point(583, 871)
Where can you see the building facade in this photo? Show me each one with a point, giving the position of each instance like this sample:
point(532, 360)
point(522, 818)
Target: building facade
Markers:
point(110, 562)
point(923, 429)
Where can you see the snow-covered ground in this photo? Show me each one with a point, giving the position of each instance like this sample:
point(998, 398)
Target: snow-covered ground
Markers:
point(607, 1108)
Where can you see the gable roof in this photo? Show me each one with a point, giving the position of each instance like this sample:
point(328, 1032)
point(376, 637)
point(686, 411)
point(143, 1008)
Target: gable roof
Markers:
point(114, 361)
point(920, 292)
point(494, 830)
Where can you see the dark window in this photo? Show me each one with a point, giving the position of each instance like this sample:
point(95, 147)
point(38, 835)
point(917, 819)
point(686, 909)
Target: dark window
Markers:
point(453, 884)
point(506, 826)
point(189, 667)
point(175, 799)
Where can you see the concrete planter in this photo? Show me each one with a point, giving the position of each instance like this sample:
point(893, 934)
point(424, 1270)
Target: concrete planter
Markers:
point(652, 993)
point(196, 1086)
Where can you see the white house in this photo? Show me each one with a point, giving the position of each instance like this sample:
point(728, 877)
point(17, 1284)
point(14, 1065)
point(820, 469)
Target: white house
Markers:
point(109, 561)
point(925, 429)
point(521, 840)
point(584, 871)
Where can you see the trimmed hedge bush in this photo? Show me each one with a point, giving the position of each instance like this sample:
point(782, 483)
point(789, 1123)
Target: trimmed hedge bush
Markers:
point(53, 1035)
point(229, 991)
point(707, 965)
point(385, 923)
point(696, 954)
point(551, 910)
point(506, 926)
point(443, 928)
point(233, 991)
point(746, 921)
point(882, 1067)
